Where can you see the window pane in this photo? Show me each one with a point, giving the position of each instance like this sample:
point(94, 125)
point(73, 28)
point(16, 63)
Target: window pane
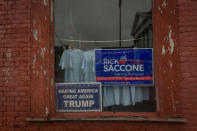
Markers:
point(84, 25)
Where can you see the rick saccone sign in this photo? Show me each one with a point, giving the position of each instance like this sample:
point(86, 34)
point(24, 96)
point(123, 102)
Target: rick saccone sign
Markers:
point(78, 97)
point(124, 66)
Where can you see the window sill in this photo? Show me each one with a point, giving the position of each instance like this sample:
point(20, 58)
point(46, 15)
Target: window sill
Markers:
point(135, 119)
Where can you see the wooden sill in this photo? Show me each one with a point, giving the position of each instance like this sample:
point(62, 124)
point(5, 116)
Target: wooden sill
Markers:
point(135, 119)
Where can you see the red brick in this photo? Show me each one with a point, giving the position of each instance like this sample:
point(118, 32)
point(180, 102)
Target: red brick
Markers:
point(22, 2)
point(2, 103)
point(22, 98)
point(3, 13)
point(188, 66)
point(17, 26)
point(11, 31)
point(20, 129)
point(11, 123)
point(9, 64)
point(9, 104)
point(2, 98)
point(2, 108)
point(22, 93)
point(2, 31)
point(2, 89)
point(10, 129)
point(19, 73)
point(2, 36)
point(190, 80)
point(2, 8)
point(22, 124)
point(10, 98)
point(3, 129)
point(22, 109)
point(10, 118)
point(11, 2)
point(24, 104)
point(10, 109)
point(17, 21)
point(2, 49)
point(11, 93)
point(19, 114)
point(1, 93)
point(23, 89)
point(20, 119)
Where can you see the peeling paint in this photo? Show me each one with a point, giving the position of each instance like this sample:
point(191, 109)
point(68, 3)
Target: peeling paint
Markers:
point(171, 64)
point(41, 67)
point(52, 85)
point(174, 12)
point(34, 22)
point(163, 50)
point(174, 108)
point(51, 51)
point(34, 61)
point(45, 2)
point(35, 33)
point(51, 11)
point(164, 39)
point(6, 74)
point(52, 82)
point(45, 72)
point(43, 50)
point(8, 55)
point(171, 49)
point(159, 8)
point(6, 80)
point(47, 111)
point(9, 50)
point(164, 4)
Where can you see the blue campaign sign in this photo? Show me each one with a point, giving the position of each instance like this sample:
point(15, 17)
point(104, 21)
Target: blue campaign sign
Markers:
point(124, 66)
point(78, 97)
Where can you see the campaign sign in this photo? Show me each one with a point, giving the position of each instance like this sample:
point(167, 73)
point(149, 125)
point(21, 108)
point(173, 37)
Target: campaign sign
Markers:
point(78, 97)
point(124, 66)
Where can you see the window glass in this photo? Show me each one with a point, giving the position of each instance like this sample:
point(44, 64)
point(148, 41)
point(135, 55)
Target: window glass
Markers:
point(85, 25)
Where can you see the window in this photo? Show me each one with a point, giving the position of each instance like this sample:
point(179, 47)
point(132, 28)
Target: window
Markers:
point(86, 25)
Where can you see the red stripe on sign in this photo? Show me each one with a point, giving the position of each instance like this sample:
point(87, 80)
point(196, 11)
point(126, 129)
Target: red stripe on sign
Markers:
point(124, 78)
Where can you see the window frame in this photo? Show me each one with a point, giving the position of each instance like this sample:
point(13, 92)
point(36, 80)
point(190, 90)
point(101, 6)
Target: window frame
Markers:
point(42, 26)
point(84, 115)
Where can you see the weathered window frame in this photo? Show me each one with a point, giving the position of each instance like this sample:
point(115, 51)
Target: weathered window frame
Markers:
point(46, 108)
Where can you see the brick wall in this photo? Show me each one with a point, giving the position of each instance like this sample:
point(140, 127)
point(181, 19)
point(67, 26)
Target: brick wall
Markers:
point(187, 22)
point(23, 29)
point(15, 51)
